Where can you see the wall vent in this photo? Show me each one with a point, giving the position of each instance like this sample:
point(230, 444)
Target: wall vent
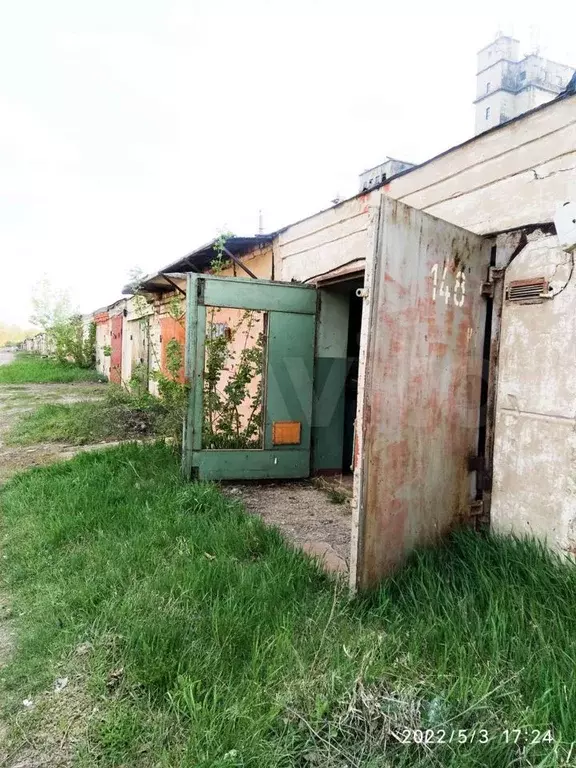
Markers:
point(532, 291)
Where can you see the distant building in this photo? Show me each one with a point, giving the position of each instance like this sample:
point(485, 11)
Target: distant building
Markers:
point(508, 86)
point(375, 176)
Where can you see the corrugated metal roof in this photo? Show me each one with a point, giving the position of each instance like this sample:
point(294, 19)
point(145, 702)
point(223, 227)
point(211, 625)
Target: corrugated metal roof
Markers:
point(200, 259)
point(203, 256)
point(161, 282)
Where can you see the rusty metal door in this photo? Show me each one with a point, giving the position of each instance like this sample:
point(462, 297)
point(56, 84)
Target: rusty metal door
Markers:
point(140, 351)
point(116, 349)
point(419, 424)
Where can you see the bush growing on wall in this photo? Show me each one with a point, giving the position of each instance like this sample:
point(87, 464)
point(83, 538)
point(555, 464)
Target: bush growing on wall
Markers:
point(72, 343)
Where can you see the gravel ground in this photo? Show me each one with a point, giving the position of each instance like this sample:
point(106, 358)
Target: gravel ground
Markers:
point(305, 515)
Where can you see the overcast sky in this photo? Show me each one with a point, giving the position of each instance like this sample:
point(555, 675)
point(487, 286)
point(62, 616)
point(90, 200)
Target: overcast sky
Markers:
point(132, 131)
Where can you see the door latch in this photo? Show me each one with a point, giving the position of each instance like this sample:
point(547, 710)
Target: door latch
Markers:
point(494, 273)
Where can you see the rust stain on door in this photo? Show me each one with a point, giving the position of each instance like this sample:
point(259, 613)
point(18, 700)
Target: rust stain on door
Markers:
point(116, 349)
point(423, 380)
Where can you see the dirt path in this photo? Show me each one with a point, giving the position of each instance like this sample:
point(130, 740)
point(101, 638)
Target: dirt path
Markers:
point(305, 515)
point(16, 399)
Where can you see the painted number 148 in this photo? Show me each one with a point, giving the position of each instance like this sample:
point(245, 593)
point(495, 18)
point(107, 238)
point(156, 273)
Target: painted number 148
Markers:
point(457, 291)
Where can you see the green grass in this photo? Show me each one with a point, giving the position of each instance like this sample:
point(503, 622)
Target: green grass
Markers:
point(30, 368)
point(118, 415)
point(237, 651)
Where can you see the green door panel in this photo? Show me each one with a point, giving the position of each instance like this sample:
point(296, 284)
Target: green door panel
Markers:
point(290, 373)
point(251, 465)
point(288, 376)
point(329, 401)
point(239, 293)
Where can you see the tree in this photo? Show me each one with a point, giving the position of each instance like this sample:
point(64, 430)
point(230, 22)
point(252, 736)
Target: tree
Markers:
point(51, 306)
point(69, 337)
point(135, 276)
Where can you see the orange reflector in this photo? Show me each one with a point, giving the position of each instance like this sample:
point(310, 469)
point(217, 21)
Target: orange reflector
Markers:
point(286, 432)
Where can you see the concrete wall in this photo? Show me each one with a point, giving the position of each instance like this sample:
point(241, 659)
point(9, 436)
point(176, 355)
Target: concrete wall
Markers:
point(534, 489)
point(39, 344)
point(531, 97)
point(510, 86)
point(490, 79)
point(259, 261)
point(502, 48)
point(492, 92)
point(510, 177)
point(326, 241)
point(502, 180)
point(103, 342)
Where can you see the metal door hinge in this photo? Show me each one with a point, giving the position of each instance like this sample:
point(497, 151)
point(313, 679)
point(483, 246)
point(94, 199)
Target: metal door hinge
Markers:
point(494, 273)
point(476, 508)
point(478, 464)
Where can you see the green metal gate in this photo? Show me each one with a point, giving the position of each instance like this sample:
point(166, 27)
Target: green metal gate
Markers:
point(287, 318)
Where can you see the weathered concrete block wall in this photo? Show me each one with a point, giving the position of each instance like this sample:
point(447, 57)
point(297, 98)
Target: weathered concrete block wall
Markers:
point(327, 240)
point(508, 178)
point(511, 177)
point(534, 488)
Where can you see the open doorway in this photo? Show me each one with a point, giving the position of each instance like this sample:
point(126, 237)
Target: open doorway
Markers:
point(351, 383)
point(336, 376)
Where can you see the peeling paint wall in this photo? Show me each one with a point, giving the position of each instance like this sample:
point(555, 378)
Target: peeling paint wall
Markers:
point(534, 490)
